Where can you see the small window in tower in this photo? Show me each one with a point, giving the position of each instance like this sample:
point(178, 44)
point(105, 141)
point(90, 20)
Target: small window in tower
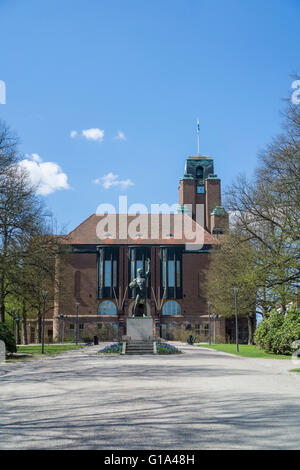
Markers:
point(199, 173)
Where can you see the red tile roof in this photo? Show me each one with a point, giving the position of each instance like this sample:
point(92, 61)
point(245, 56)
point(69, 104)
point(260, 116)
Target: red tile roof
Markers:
point(140, 229)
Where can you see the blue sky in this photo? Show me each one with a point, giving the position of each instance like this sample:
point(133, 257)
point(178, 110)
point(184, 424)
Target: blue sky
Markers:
point(147, 69)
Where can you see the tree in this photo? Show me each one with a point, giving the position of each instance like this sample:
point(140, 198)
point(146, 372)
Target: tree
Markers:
point(20, 215)
point(8, 149)
point(232, 264)
point(36, 273)
point(266, 212)
point(28, 247)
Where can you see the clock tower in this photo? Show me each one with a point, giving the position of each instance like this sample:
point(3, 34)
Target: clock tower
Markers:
point(200, 185)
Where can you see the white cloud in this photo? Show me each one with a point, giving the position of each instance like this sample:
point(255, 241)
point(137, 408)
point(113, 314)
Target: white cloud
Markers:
point(97, 134)
point(34, 156)
point(46, 176)
point(120, 136)
point(109, 180)
point(93, 134)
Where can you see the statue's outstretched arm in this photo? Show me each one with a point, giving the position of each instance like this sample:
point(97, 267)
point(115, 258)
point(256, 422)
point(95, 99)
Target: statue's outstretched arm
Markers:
point(148, 270)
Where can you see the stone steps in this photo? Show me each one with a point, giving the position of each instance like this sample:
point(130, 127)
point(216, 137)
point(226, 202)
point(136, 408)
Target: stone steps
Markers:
point(139, 347)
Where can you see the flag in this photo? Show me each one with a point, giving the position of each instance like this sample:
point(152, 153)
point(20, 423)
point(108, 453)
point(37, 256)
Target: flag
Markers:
point(198, 126)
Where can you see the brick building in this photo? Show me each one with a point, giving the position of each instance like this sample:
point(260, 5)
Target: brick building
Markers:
point(103, 258)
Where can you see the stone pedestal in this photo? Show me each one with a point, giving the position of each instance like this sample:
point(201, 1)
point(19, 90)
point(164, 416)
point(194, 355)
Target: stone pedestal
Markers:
point(2, 351)
point(140, 329)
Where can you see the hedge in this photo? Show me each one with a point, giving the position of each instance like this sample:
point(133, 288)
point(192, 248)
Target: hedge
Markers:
point(8, 337)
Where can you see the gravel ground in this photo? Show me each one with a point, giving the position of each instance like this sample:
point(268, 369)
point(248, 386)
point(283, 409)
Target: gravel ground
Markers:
point(202, 399)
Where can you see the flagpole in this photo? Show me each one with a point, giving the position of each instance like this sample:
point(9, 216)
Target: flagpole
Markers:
point(198, 136)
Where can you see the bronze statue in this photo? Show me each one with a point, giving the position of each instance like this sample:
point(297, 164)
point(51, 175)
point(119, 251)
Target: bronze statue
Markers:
point(139, 283)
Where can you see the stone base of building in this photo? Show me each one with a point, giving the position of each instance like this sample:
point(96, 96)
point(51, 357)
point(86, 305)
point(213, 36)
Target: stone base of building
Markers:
point(109, 328)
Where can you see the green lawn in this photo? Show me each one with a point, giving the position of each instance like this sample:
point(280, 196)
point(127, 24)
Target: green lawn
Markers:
point(294, 370)
point(245, 351)
point(48, 348)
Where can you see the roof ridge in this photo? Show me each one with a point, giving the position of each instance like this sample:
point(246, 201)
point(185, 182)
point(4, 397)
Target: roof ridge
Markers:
point(209, 237)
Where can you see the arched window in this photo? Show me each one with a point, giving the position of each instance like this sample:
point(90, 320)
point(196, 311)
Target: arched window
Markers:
point(171, 307)
point(107, 308)
point(199, 172)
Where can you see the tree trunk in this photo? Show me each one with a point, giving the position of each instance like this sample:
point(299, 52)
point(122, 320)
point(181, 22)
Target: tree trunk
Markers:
point(264, 310)
point(24, 325)
point(2, 311)
point(18, 332)
point(2, 304)
point(251, 328)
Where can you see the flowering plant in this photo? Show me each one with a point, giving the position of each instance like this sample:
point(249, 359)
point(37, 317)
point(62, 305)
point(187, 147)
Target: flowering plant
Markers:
point(165, 348)
point(115, 348)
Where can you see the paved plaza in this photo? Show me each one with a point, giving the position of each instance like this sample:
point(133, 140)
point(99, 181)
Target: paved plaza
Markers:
point(201, 399)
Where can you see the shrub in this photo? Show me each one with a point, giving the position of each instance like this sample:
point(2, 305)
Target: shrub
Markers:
point(8, 337)
point(106, 333)
point(289, 332)
point(277, 332)
point(182, 334)
point(267, 332)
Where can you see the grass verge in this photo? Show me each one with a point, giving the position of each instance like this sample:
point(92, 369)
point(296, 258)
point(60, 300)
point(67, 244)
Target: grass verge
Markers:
point(49, 349)
point(245, 350)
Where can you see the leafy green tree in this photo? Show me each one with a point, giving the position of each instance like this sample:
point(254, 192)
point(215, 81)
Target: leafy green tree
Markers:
point(266, 210)
point(27, 244)
point(232, 265)
point(20, 216)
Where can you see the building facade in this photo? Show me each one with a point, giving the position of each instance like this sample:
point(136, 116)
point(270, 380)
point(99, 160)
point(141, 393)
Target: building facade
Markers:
point(102, 256)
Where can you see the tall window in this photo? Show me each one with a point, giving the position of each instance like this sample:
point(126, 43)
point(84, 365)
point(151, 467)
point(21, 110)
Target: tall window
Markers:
point(81, 330)
point(171, 273)
point(171, 307)
point(138, 257)
point(107, 308)
point(199, 173)
point(107, 272)
point(171, 278)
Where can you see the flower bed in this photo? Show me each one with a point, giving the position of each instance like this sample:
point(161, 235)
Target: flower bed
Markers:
point(115, 348)
point(165, 348)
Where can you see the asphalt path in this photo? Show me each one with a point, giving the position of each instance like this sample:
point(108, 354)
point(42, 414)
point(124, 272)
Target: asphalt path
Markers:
point(201, 399)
